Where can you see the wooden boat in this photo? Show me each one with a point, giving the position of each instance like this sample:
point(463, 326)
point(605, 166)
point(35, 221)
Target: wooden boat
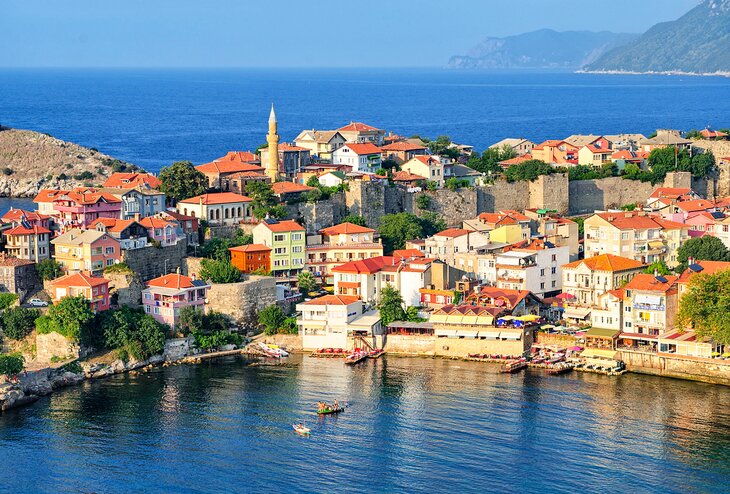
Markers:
point(356, 357)
point(330, 410)
point(559, 368)
point(513, 366)
point(302, 430)
point(378, 352)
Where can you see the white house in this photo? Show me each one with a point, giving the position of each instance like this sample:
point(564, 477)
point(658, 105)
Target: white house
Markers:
point(223, 208)
point(336, 321)
point(364, 157)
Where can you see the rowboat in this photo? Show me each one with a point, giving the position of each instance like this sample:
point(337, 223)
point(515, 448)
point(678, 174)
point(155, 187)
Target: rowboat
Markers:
point(302, 430)
point(513, 366)
point(355, 357)
point(273, 350)
point(330, 410)
point(559, 368)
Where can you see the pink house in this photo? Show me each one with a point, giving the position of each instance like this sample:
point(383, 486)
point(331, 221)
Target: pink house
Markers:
point(162, 230)
point(165, 296)
point(703, 223)
point(78, 208)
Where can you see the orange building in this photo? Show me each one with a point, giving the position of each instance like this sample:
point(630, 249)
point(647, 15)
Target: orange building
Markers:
point(253, 257)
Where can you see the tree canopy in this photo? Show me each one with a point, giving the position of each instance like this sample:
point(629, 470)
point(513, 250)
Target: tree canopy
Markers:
point(272, 318)
point(181, 180)
point(48, 269)
point(133, 332)
point(354, 219)
point(705, 306)
point(660, 267)
point(396, 228)
point(702, 249)
point(7, 299)
point(306, 282)
point(219, 271)
point(18, 322)
point(264, 201)
point(12, 364)
point(71, 317)
point(391, 306)
point(488, 161)
point(528, 171)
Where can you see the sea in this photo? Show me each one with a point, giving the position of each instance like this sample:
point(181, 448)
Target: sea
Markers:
point(412, 424)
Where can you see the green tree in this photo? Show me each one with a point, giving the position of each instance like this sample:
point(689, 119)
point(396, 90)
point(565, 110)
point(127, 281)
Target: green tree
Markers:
point(7, 299)
point(190, 320)
point(659, 267)
point(12, 364)
point(181, 181)
point(132, 331)
point(702, 249)
point(704, 306)
point(217, 248)
point(313, 181)
point(271, 318)
point(391, 306)
point(693, 134)
point(423, 201)
point(306, 282)
point(71, 317)
point(355, 220)
point(48, 269)
point(18, 322)
point(389, 164)
point(219, 271)
point(628, 207)
point(262, 198)
point(528, 171)
point(442, 146)
point(396, 228)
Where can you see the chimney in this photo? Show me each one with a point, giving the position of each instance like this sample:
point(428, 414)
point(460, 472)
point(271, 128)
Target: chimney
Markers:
point(690, 261)
point(656, 272)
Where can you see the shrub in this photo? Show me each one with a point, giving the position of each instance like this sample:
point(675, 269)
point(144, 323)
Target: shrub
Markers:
point(18, 322)
point(271, 318)
point(48, 269)
point(423, 201)
point(7, 299)
point(12, 364)
point(71, 318)
point(219, 271)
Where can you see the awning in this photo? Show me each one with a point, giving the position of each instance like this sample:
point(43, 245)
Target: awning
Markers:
point(577, 312)
point(486, 320)
point(506, 318)
point(656, 244)
point(598, 353)
point(511, 336)
point(490, 334)
point(438, 318)
point(528, 318)
point(603, 333)
point(547, 326)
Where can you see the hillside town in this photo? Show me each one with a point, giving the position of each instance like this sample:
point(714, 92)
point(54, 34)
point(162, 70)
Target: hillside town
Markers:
point(207, 257)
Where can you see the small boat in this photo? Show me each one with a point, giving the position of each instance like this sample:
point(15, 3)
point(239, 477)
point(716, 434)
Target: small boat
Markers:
point(559, 368)
point(513, 366)
point(273, 350)
point(302, 430)
point(378, 352)
point(330, 410)
point(356, 357)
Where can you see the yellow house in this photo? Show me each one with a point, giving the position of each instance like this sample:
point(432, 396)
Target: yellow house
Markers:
point(427, 166)
point(508, 234)
point(593, 156)
point(637, 235)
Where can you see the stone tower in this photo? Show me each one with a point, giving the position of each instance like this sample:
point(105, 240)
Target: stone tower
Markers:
point(272, 153)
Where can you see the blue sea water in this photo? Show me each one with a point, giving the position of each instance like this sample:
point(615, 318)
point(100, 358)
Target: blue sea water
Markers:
point(412, 425)
point(154, 117)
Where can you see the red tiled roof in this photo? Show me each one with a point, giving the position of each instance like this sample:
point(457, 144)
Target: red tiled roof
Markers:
point(173, 280)
point(427, 159)
point(48, 195)
point(9, 261)
point(79, 279)
point(333, 300)
point(596, 150)
point(367, 266)
point(405, 176)
point(638, 221)
point(516, 160)
point(283, 226)
point(647, 282)
point(514, 297)
point(402, 146)
point(549, 143)
point(21, 230)
point(250, 248)
point(357, 127)
point(669, 192)
point(452, 233)
point(345, 228)
point(16, 215)
point(408, 253)
point(707, 133)
point(152, 222)
point(288, 147)
point(695, 205)
point(708, 267)
point(217, 198)
point(606, 262)
point(363, 148)
point(122, 180)
point(280, 188)
point(114, 225)
point(87, 196)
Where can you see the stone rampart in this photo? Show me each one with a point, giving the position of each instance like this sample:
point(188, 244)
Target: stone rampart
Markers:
point(242, 301)
point(695, 369)
point(127, 286)
point(587, 196)
point(151, 262)
point(53, 345)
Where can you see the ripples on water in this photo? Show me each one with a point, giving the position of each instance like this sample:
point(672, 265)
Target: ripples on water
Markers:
point(412, 425)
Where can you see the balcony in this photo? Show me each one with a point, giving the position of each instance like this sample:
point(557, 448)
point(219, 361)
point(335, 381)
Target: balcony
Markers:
point(649, 307)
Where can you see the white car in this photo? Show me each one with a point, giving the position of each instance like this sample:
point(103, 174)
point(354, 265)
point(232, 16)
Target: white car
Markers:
point(36, 302)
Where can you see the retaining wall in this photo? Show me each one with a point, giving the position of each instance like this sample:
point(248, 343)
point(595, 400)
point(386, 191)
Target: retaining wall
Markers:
point(151, 262)
point(694, 369)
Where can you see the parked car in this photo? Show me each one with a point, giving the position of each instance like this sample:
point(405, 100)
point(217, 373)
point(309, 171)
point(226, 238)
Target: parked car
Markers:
point(36, 302)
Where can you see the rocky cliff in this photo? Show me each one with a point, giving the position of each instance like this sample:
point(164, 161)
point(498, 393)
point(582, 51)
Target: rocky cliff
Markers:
point(698, 42)
point(30, 161)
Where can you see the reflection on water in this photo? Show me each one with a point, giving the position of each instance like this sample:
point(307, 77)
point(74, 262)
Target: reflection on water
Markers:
point(411, 425)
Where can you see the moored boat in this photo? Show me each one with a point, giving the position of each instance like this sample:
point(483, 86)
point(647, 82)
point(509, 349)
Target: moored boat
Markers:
point(273, 350)
point(513, 366)
point(559, 368)
point(330, 410)
point(356, 357)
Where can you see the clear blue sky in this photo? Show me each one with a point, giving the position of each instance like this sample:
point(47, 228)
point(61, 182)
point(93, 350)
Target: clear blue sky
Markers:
point(287, 33)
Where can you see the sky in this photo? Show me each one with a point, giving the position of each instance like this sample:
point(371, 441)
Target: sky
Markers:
point(287, 33)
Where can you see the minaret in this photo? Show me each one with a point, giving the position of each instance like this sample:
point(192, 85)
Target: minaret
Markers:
point(272, 162)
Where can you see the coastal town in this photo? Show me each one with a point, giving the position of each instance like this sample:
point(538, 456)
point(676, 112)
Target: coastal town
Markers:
point(356, 242)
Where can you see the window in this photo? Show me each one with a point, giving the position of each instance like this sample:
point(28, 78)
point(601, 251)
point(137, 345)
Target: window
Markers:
point(542, 286)
point(555, 257)
point(296, 236)
point(297, 248)
point(280, 250)
point(109, 250)
point(279, 238)
point(109, 262)
point(554, 270)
